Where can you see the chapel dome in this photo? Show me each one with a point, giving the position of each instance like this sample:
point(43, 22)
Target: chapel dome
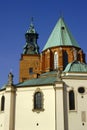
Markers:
point(76, 66)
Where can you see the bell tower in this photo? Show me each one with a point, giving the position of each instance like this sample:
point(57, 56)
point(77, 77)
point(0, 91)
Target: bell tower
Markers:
point(30, 58)
point(31, 36)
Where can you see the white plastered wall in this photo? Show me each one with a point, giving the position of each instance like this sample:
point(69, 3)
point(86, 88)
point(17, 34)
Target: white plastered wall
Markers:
point(25, 118)
point(75, 120)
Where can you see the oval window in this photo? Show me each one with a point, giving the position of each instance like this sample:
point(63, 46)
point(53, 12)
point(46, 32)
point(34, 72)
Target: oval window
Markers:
point(81, 89)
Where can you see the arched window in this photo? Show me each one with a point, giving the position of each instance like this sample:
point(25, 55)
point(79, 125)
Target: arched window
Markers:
point(38, 100)
point(55, 60)
point(65, 59)
point(71, 100)
point(2, 103)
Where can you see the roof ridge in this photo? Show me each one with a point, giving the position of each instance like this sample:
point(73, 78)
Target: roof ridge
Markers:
point(76, 66)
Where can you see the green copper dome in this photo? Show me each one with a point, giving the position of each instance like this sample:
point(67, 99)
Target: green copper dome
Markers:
point(76, 66)
point(60, 36)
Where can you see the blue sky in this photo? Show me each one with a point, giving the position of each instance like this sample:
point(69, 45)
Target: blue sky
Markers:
point(15, 16)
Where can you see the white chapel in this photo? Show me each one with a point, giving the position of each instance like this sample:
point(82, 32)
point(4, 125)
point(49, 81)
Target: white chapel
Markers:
point(52, 89)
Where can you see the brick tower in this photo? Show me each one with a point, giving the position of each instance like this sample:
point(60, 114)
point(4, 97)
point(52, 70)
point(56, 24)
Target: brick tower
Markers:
point(60, 49)
point(30, 58)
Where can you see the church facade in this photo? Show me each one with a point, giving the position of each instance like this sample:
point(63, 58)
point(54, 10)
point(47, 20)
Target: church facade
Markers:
point(52, 89)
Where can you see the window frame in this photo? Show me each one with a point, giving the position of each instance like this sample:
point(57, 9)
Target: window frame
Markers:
point(38, 100)
point(79, 90)
point(35, 95)
point(73, 109)
point(31, 70)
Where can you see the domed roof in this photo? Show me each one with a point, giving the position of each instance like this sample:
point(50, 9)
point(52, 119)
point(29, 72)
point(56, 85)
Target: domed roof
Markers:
point(76, 66)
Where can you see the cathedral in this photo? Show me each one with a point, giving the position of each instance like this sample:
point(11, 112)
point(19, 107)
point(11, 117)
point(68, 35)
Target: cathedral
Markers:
point(52, 89)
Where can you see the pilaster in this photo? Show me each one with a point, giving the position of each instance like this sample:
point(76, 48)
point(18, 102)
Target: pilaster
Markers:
point(9, 108)
point(59, 106)
point(9, 104)
point(48, 60)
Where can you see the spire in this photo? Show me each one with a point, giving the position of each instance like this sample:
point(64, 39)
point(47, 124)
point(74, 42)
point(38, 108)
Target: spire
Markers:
point(61, 36)
point(31, 27)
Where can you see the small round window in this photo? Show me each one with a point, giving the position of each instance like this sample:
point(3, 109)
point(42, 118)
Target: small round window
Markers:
point(81, 90)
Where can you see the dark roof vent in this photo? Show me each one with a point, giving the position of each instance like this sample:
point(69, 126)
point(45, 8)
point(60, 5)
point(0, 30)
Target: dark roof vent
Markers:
point(62, 27)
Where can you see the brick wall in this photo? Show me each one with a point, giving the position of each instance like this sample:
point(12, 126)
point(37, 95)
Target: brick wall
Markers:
point(45, 61)
point(28, 62)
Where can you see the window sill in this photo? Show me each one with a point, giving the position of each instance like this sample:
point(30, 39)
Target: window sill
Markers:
point(1, 112)
point(72, 111)
point(38, 110)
